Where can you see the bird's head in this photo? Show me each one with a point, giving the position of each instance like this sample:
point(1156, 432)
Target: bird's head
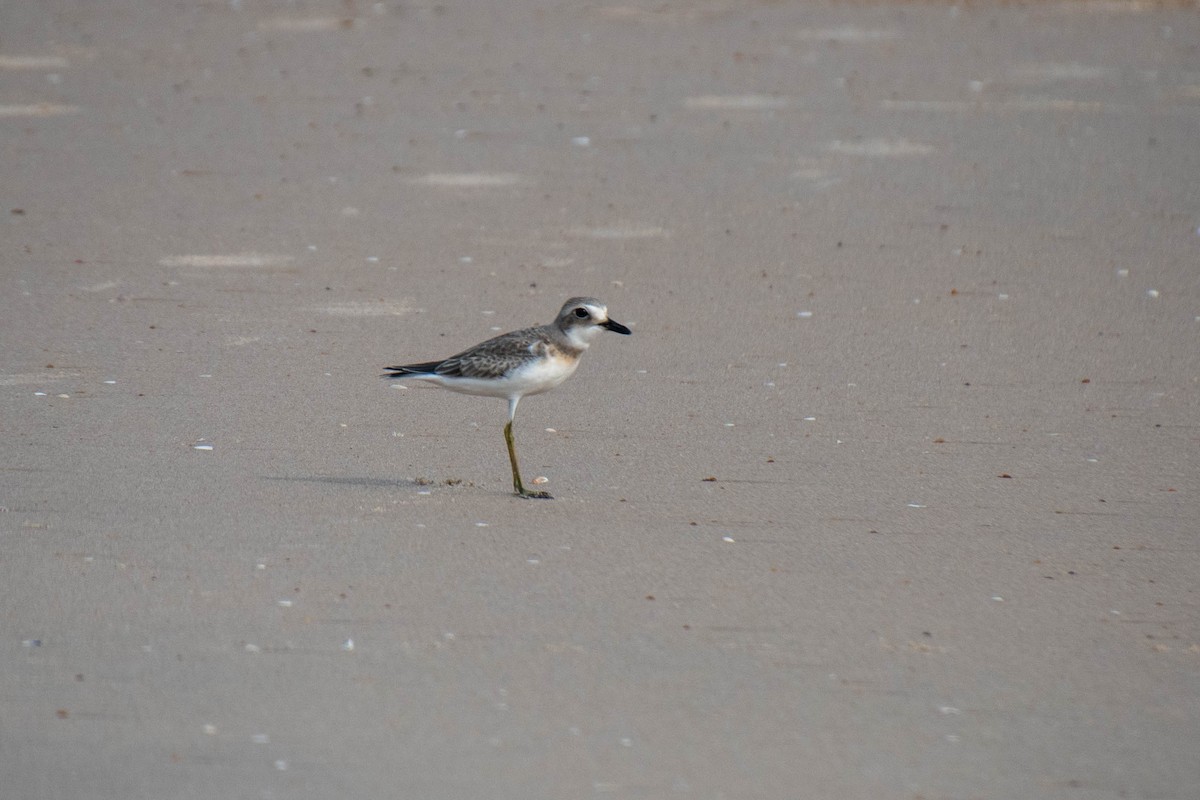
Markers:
point(581, 318)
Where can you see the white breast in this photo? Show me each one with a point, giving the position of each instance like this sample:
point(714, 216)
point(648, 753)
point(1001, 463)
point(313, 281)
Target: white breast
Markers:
point(541, 375)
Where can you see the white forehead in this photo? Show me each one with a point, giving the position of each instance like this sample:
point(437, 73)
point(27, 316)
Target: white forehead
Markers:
point(596, 310)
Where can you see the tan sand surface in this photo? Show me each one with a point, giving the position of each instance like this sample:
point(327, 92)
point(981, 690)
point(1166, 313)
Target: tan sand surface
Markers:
point(893, 492)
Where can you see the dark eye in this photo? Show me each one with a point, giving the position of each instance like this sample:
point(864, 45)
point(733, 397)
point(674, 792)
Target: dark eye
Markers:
point(582, 313)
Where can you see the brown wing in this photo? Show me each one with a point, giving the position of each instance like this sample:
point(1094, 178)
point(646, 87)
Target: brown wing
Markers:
point(494, 358)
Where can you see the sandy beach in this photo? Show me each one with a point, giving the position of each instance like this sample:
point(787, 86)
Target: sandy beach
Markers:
point(892, 493)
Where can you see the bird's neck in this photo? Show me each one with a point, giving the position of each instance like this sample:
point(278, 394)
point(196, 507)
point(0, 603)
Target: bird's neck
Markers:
point(577, 339)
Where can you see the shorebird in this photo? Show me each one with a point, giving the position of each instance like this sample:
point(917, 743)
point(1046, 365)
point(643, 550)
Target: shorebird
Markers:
point(512, 365)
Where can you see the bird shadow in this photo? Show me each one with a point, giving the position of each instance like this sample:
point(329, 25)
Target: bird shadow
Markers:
point(333, 480)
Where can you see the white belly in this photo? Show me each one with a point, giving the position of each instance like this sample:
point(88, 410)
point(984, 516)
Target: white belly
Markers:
point(538, 376)
point(541, 375)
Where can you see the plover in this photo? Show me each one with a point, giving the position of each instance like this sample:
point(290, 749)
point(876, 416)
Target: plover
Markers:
point(512, 365)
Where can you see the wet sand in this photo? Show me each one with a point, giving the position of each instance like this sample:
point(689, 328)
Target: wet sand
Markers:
point(891, 494)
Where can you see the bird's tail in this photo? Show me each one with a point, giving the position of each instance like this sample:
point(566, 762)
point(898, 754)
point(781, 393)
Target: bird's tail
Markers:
point(411, 370)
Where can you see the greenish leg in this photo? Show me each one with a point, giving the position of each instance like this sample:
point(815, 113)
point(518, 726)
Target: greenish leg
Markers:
point(518, 486)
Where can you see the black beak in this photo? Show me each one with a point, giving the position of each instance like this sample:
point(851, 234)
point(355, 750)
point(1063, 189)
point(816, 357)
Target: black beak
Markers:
point(615, 327)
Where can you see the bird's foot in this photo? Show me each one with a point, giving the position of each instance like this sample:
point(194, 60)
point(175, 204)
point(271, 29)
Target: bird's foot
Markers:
point(534, 494)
